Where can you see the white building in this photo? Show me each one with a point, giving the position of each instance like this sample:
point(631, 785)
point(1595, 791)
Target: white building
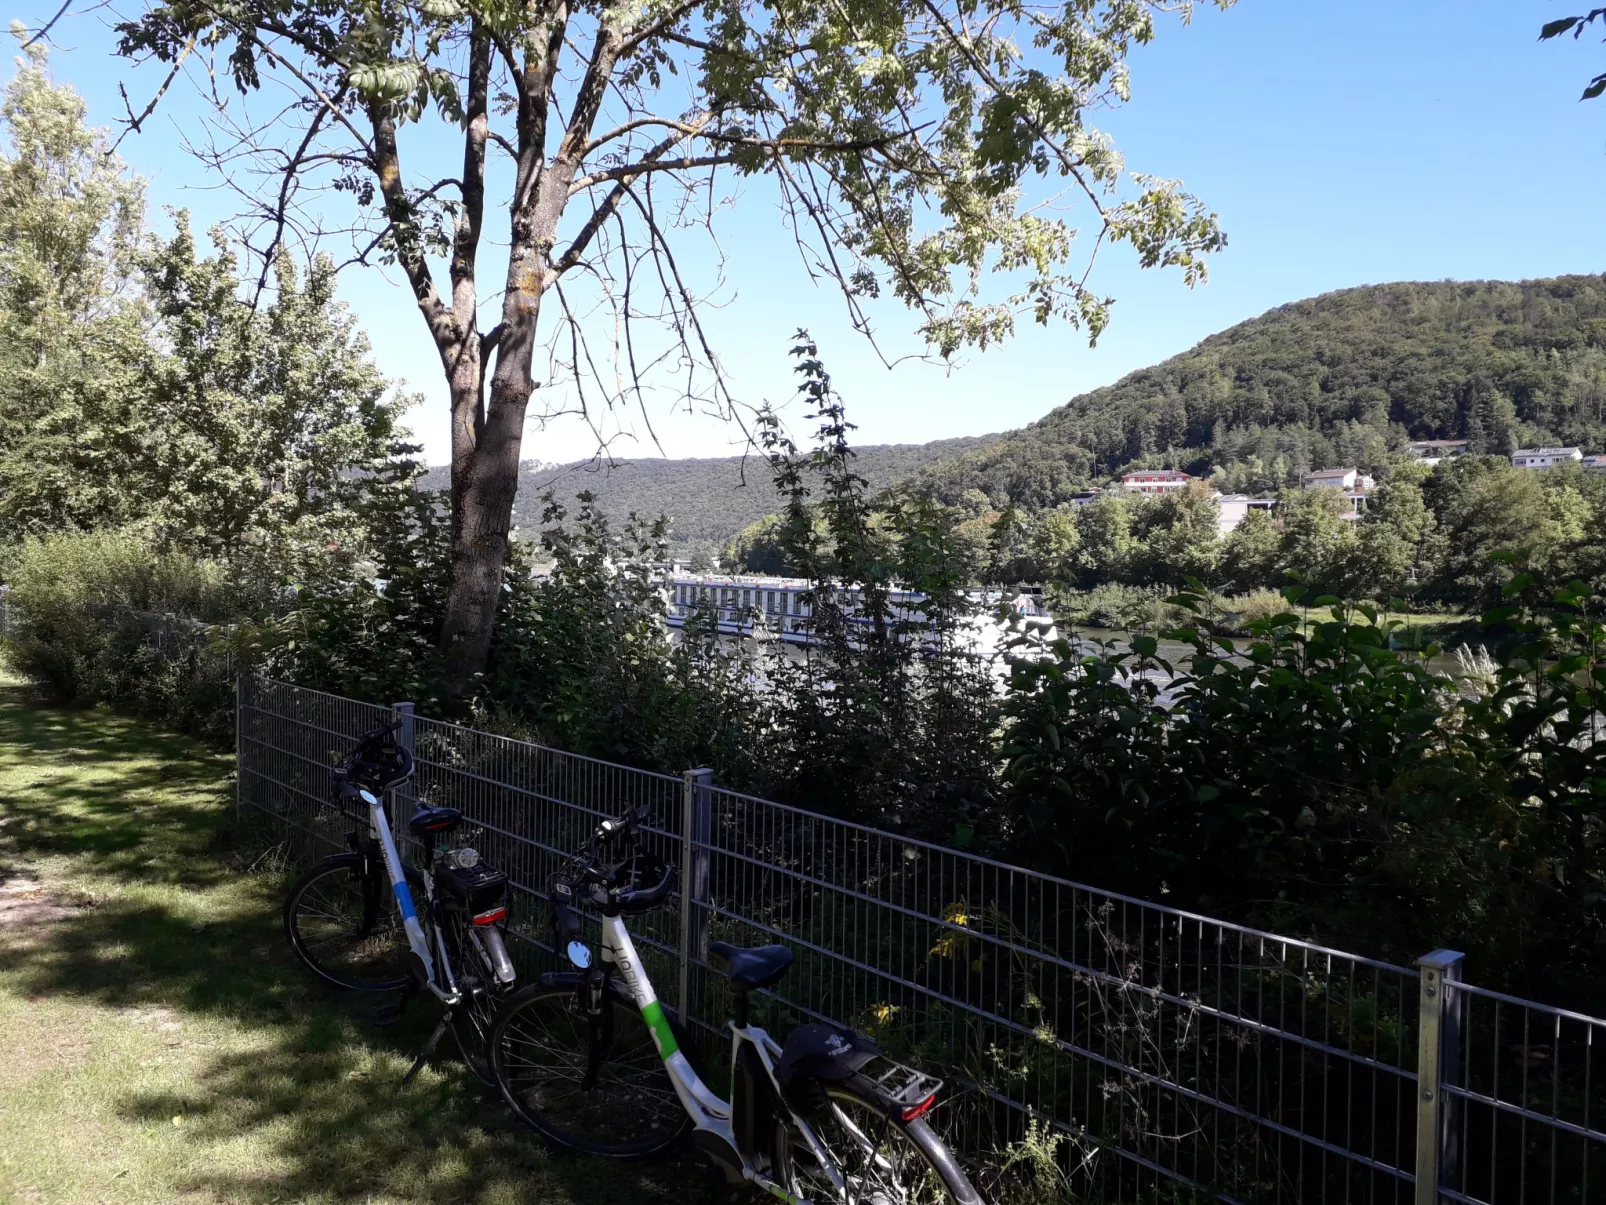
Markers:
point(1594, 464)
point(1355, 484)
point(1338, 479)
point(1155, 481)
point(1232, 509)
point(1545, 458)
point(1431, 451)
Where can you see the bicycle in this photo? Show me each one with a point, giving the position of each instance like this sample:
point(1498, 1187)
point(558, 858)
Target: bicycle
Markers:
point(342, 928)
point(590, 1059)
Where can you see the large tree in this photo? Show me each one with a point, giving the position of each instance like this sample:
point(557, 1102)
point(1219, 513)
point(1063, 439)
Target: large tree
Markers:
point(137, 389)
point(916, 147)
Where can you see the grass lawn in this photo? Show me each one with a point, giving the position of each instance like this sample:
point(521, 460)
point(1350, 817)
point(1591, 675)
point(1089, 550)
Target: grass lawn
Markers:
point(160, 1045)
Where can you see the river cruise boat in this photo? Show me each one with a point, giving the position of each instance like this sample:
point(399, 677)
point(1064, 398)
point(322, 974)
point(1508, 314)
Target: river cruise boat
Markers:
point(779, 608)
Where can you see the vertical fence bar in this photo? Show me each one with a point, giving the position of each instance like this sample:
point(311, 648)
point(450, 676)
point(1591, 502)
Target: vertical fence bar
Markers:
point(1437, 1064)
point(239, 746)
point(696, 829)
point(407, 739)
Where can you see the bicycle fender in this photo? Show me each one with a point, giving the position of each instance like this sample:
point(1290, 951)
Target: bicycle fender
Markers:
point(819, 1052)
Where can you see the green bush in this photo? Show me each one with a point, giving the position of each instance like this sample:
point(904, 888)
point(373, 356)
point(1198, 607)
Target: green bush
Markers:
point(106, 617)
point(1312, 778)
point(1114, 606)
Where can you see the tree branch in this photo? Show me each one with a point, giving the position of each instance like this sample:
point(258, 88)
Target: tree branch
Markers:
point(134, 123)
point(627, 174)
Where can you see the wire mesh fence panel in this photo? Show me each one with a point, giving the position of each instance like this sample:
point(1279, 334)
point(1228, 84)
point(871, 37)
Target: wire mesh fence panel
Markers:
point(1525, 1105)
point(1169, 1050)
point(288, 742)
point(529, 808)
point(1154, 1054)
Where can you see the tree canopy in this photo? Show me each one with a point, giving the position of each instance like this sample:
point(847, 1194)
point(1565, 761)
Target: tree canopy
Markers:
point(938, 151)
point(136, 386)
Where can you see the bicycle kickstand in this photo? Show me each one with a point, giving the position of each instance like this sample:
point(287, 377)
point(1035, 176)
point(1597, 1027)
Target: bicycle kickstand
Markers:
point(429, 1048)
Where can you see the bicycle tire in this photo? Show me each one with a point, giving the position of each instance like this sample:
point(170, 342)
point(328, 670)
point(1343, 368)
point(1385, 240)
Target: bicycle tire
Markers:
point(483, 994)
point(325, 918)
point(937, 1178)
point(641, 1099)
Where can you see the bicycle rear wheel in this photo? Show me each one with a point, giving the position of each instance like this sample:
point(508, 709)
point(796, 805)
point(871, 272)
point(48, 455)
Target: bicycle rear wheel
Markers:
point(593, 1084)
point(343, 928)
point(879, 1160)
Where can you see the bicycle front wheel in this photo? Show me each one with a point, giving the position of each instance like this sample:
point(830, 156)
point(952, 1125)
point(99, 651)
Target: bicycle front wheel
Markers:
point(344, 929)
point(877, 1159)
point(590, 1083)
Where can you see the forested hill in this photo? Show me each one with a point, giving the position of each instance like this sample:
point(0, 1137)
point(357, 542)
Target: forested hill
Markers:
point(708, 500)
point(1345, 378)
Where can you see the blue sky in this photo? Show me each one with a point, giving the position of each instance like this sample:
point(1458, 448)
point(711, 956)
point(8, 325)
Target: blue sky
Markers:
point(1342, 142)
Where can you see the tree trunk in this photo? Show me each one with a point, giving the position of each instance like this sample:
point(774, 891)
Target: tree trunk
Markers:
point(482, 497)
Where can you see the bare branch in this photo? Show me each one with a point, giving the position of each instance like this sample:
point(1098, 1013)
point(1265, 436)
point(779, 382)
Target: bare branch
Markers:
point(134, 123)
point(635, 170)
point(48, 25)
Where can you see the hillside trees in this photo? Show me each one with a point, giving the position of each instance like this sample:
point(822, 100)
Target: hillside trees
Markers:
point(1343, 379)
point(906, 142)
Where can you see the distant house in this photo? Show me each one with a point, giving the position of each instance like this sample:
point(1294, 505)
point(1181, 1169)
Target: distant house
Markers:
point(1353, 482)
point(1594, 464)
point(1544, 458)
point(1431, 451)
point(1338, 479)
point(1083, 497)
point(1232, 509)
point(1155, 481)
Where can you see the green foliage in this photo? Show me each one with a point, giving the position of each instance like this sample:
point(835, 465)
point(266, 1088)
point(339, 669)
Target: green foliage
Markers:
point(366, 628)
point(911, 134)
point(87, 626)
point(1341, 379)
point(886, 717)
point(710, 501)
point(1351, 791)
point(135, 388)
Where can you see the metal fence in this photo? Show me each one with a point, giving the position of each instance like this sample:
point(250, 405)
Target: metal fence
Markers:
point(1159, 1054)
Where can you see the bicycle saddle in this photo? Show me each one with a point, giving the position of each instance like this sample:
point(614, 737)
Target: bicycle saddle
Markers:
point(762, 966)
point(434, 820)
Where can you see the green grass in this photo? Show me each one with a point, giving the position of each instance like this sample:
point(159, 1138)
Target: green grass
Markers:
point(161, 1046)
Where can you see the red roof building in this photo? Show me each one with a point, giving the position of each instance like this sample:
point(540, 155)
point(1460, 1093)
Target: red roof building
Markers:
point(1155, 481)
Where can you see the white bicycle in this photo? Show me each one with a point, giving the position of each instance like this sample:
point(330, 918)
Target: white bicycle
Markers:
point(591, 1059)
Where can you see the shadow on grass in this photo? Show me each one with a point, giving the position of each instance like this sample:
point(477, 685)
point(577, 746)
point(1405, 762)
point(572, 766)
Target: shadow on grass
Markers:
point(310, 1080)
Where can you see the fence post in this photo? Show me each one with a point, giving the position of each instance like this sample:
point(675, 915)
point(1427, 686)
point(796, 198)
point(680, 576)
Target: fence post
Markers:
point(239, 746)
point(1437, 1064)
point(696, 830)
point(405, 738)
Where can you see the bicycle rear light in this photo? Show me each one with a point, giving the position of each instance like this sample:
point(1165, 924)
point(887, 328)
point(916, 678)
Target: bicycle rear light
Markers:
point(491, 916)
point(914, 1111)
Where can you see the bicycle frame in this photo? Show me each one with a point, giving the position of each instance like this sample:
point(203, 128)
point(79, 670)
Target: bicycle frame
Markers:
point(709, 1112)
point(380, 825)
